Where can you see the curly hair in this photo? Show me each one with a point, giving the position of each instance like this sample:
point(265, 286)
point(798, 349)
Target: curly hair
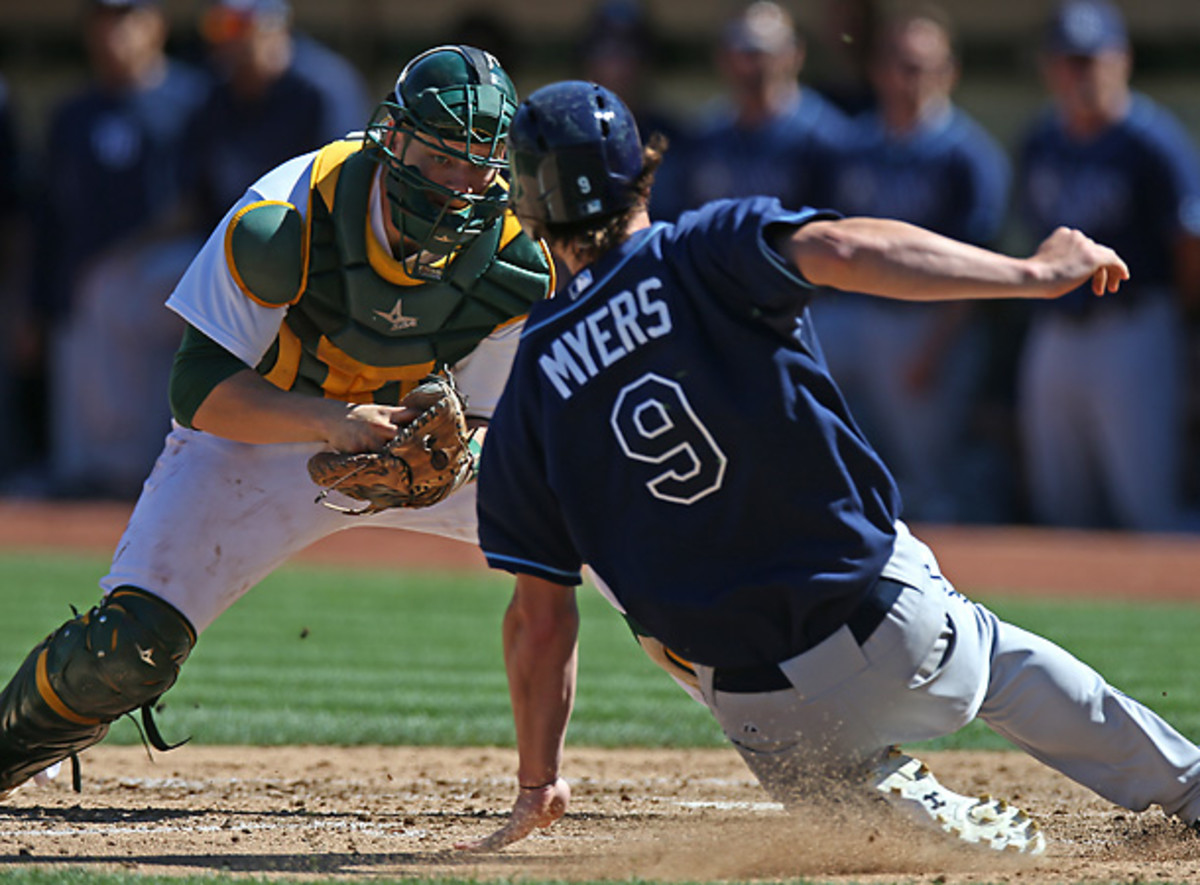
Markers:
point(594, 237)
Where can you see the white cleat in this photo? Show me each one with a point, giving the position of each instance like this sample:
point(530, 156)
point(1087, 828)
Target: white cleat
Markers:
point(44, 777)
point(909, 785)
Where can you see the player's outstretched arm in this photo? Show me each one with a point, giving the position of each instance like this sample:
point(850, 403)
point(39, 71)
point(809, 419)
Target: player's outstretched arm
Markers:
point(541, 629)
point(900, 260)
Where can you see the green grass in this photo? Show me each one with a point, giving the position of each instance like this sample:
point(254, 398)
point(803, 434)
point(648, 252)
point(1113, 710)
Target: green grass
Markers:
point(346, 657)
point(321, 655)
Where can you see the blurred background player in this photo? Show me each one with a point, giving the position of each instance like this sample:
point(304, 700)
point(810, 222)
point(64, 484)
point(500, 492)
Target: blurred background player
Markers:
point(619, 50)
point(845, 52)
point(911, 372)
point(762, 138)
point(112, 173)
point(279, 93)
point(276, 95)
point(1101, 387)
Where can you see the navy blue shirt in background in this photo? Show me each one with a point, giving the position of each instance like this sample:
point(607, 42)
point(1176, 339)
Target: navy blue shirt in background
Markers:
point(234, 140)
point(948, 175)
point(720, 159)
point(1135, 188)
point(114, 165)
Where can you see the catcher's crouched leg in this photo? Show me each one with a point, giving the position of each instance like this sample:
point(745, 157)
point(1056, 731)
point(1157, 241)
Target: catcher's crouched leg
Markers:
point(119, 656)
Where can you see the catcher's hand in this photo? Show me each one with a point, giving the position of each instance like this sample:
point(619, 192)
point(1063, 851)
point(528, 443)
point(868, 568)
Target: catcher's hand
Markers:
point(428, 459)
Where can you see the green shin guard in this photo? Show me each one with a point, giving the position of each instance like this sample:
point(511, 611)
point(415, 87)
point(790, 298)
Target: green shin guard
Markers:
point(121, 655)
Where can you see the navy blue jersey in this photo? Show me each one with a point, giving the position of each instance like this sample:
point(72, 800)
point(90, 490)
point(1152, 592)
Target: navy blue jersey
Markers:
point(949, 176)
point(670, 421)
point(233, 141)
point(115, 168)
point(721, 159)
point(1135, 188)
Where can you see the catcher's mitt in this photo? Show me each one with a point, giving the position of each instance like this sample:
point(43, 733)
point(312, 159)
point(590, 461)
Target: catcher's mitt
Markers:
point(427, 460)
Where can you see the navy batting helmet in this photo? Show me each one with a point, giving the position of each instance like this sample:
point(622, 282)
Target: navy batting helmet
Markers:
point(574, 153)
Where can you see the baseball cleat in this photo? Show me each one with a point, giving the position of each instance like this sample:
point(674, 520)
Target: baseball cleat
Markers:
point(908, 784)
point(42, 778)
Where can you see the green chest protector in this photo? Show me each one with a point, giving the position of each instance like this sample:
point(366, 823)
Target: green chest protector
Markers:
point(361, 327)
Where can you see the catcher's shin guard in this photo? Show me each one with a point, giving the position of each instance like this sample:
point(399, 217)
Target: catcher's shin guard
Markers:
point(121, 655)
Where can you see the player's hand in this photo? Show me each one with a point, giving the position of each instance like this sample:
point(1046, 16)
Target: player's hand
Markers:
point(1068, 258)
point(533, 809)
point(366, 427)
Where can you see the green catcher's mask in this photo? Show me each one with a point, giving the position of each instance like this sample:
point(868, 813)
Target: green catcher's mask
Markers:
point(456, 94)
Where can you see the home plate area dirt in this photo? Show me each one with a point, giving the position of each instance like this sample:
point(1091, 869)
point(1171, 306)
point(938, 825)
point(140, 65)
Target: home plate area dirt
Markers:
point(368, 813)
point(662, 815)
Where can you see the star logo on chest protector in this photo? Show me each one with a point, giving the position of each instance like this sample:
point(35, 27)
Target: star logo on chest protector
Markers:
point(396, 317)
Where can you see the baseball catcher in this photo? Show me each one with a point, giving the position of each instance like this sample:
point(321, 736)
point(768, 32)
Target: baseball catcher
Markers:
point(430, 457)
point(327, 310)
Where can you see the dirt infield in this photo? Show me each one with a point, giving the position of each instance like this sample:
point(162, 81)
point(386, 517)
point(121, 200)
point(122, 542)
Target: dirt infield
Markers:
point(373, 812)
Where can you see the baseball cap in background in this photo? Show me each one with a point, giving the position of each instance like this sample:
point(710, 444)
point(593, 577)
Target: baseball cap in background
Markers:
point(226, 20)
point(764, 26)
point(616, 26)
point(1086, 27)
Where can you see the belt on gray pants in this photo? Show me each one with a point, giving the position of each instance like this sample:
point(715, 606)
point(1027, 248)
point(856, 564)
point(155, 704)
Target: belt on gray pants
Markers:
point(862, 622)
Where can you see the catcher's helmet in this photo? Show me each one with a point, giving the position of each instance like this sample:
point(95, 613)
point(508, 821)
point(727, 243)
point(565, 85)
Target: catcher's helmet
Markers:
point(458, 101)
point(574, 152)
